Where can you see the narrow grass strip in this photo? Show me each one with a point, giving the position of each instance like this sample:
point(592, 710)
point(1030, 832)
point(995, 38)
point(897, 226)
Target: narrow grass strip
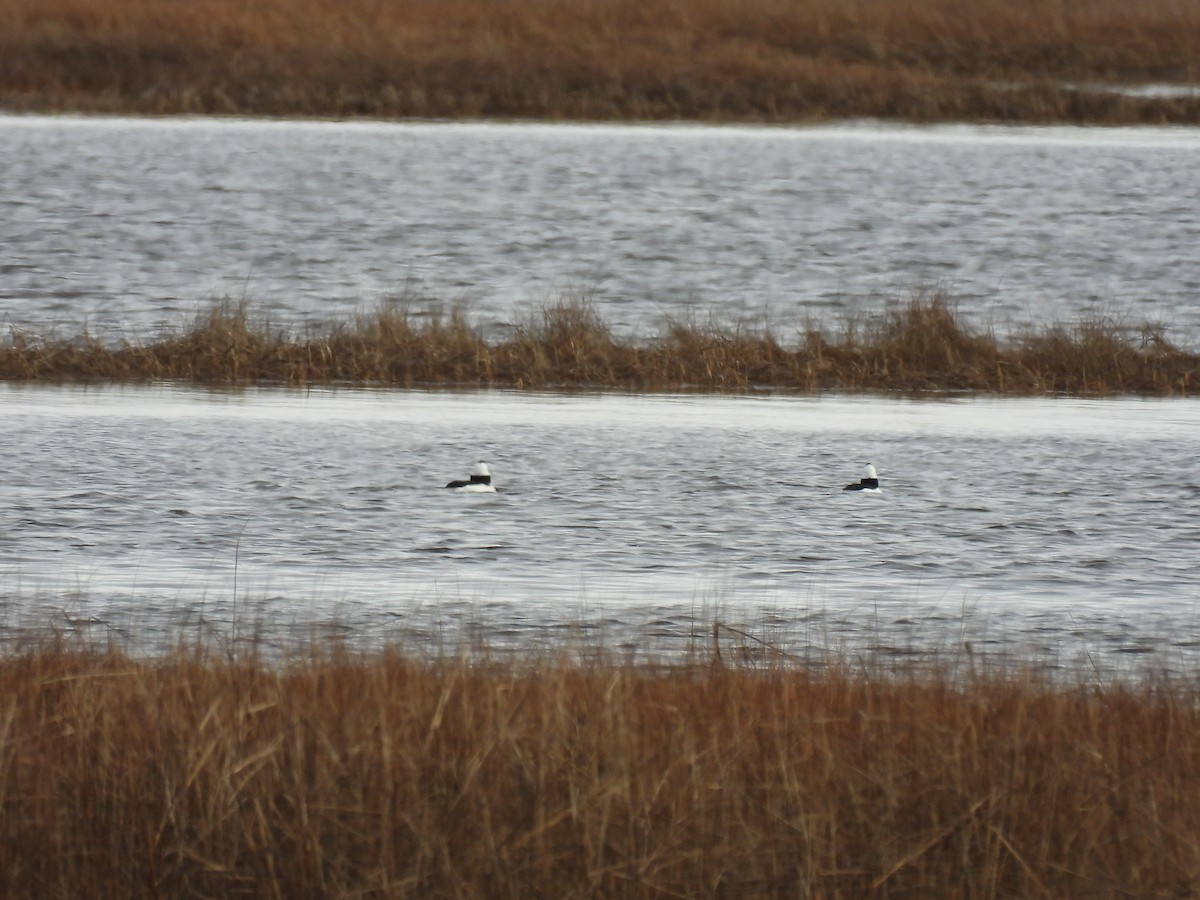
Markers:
point(923, 346)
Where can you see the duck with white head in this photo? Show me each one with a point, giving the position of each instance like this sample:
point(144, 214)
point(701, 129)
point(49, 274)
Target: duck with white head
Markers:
point(868, 483)
point(480, 481)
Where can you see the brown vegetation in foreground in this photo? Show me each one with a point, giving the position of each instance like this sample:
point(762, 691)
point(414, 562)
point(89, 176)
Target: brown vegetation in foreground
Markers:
point(750, 60)
point(394, 777)
point(923, 346)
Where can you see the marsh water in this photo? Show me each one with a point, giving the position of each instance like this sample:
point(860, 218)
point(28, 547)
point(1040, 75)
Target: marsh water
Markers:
point(124, 225)
point(1059, 531)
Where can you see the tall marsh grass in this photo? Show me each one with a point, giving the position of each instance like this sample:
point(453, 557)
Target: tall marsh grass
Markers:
point(751, 60)
point(393, 776)
point(923, 345)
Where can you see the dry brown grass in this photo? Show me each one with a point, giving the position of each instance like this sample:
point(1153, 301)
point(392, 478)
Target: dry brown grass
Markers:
point(923, 346)
point(390, 776)
point(761, 60)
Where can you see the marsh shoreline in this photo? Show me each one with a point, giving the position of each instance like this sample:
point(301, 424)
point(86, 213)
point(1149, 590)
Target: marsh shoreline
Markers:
point(1110, 62)
point(394, 775)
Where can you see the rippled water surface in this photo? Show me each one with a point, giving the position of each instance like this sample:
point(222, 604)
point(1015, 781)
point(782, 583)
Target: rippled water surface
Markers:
point(122, 225)
point(1058, 530)
point(1061, 531)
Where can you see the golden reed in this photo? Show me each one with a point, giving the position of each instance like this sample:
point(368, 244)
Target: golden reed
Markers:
point(922, 346)
point(747, 60)
point(393, 776)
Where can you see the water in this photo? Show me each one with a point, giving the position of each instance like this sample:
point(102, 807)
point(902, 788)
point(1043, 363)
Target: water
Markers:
point(1059, 531)
point(122, 225)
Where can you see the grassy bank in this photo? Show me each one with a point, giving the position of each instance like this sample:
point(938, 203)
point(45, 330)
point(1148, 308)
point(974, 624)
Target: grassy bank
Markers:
point(748, 60)
point(393, 777)
point(921, 346)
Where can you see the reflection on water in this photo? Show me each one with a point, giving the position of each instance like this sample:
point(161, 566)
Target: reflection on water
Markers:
point(1054, 530)
point(123, 224)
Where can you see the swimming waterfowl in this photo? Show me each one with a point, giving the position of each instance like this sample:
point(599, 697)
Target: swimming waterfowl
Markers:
point(868, 482)
point(479, 483)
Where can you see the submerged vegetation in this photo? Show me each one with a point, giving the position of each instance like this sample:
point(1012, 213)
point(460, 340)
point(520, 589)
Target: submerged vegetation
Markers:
point(921, 346)
point(714, 60)
point(396, 776)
